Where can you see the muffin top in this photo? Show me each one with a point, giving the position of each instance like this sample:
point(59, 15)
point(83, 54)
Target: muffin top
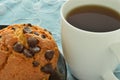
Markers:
point(27, 52)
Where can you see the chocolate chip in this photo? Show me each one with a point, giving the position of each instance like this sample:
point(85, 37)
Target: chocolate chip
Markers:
point(35, 63)
point(43, 36)
point(27, 30)
point(0, 36)
point(32, 42)
point(49, 54)
point(29, 24)
point(55, 76)
point(50, 33)
point(45, 30)
point(36, 33)
point(47, 68)
point(24, 24)
point(18, 47)
point(27, 53)
point(35, 49)
point(13, 28)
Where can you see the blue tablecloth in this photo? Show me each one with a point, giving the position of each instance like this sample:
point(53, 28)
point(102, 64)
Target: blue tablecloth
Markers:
point(45, 13)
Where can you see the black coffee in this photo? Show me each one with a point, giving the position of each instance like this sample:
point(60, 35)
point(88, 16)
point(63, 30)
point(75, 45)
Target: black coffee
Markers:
point(94, 18)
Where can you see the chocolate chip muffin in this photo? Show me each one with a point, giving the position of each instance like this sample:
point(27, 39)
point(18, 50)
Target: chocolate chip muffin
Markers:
point(27, 52)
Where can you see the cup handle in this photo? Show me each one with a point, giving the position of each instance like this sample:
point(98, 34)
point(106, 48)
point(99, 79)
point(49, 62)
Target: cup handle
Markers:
point(115, 49)
point(109, 76)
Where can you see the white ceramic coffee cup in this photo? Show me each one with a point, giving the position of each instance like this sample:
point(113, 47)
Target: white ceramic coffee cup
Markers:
point(90, 55)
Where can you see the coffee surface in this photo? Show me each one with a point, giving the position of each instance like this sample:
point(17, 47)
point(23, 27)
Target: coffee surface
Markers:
point(94, 18)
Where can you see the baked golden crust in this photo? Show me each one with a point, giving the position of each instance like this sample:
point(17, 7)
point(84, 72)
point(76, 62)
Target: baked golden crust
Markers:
point(16, 64)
